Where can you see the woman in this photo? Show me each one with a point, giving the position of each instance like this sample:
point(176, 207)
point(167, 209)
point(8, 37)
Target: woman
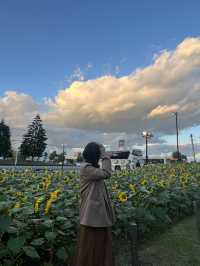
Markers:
point(96, 213)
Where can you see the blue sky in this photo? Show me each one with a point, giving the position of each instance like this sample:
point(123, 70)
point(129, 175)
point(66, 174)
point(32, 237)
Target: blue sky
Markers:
point(43, 42)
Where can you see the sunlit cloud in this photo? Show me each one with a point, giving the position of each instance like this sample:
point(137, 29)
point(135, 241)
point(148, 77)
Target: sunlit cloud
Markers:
point(136, 101)
point(142, 100)
point(18, 108)
point(162, 110)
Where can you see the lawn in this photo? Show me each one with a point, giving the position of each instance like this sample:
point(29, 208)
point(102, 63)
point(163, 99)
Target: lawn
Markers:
point(178, 246)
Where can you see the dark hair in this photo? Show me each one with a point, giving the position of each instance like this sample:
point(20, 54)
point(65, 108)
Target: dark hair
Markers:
point(91, 153)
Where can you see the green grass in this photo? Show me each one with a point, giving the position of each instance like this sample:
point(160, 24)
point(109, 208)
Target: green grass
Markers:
point(178, 246)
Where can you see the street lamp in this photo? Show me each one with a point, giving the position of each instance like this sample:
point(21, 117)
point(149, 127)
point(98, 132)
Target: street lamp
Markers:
point(63, 156)
point(146, 135)
point(177, 142)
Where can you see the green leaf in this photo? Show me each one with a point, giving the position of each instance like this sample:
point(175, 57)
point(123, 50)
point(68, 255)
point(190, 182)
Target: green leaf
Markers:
point(19, 224)
point(4, 223)
point(143, 189)
point(61, 254)
point(28, 210)
point(37, 242)
point(50, 236)
point(15, 244)
point(61, 219)
point(31, 252)
point(4, 205)
point(12, 230)
point(15, 210)
point(36, 221)
point(28, 235)
point(61, 232)
point(8, 263)
point(67, 225)
point(4, 252)
point(48, 223)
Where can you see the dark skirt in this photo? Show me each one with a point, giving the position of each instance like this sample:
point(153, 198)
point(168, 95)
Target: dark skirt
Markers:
point(94, 247)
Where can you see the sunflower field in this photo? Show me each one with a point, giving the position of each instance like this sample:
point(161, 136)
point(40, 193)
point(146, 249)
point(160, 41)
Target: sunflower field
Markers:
point(39, 212)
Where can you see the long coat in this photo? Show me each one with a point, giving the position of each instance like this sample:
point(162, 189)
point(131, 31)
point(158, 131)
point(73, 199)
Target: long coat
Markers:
point(96, 208)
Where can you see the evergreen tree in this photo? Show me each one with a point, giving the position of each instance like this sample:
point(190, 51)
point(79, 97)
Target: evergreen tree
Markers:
point(61, 157)
point(33, 143)
point(180, 156)
point(5, 144)
point(53, 156)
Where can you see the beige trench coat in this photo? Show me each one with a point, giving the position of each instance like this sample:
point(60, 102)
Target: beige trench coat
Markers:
point(96, 209)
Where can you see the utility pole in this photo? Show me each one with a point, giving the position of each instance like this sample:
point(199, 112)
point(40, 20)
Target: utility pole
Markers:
point(63, 158)
point(177, 144)
point(147, 159)
point(194, 156)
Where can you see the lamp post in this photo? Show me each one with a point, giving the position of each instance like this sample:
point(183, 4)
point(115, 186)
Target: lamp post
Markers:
point(177, 142)
point(146, 135)
point(63, 156)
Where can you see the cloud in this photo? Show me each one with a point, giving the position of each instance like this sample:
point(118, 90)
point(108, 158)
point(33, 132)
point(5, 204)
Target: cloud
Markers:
point(124, 106)
point(18, 108)
point(165, 150)
point(163, 110)
point(77, 75)
point(137, 101)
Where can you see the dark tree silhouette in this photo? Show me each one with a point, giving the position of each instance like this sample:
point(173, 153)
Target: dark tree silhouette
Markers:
point(33, 143)
point(179, 156)
point(5, 144)
point(53, 156)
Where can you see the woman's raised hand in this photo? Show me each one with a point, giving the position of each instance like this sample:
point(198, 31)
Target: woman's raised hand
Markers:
point(103, 152)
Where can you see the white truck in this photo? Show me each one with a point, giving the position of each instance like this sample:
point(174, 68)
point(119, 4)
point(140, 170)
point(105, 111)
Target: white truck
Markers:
point(126, 160)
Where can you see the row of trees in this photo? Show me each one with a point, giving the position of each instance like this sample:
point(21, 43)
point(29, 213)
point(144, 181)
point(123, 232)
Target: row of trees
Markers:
point(33, 143)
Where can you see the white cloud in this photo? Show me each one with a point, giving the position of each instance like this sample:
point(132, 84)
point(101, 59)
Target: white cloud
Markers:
point(137, 101)
point(163, 110)
point(77, 75)
point(18, 108)
point(130, 104)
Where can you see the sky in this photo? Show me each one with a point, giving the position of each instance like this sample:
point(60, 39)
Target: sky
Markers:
point(102, 70)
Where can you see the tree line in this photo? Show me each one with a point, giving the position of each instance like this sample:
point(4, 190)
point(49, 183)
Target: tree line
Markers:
point(33, 143)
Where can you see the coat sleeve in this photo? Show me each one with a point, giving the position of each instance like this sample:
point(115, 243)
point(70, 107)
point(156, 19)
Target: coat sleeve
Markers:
point(92, 173)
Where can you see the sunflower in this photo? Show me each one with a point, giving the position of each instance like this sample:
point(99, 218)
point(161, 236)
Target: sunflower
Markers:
point(17, 205)
point(37, 204)
point(154, 178)
point(122, 197)
point(133, 188)
point(48, 206)
point(143, 181)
